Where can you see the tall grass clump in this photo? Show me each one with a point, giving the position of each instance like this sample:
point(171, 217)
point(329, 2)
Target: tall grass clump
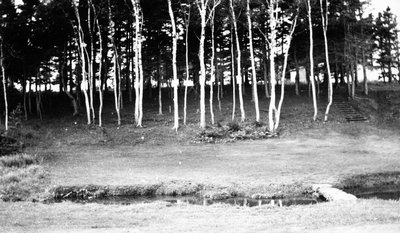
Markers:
point(22, 178)
point(18, 160)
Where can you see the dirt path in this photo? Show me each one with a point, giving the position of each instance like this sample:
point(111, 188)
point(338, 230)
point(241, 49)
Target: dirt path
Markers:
point(318, 159)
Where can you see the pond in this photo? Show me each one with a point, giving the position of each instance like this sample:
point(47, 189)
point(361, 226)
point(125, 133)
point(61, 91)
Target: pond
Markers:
point(379, 194)
point(194, 200)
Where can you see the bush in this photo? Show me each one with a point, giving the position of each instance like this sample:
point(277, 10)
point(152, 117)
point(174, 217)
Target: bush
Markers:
point(22, 178)
point(19, 160)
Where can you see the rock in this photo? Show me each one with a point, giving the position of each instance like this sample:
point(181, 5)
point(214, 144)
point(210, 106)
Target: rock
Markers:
point(334, 194)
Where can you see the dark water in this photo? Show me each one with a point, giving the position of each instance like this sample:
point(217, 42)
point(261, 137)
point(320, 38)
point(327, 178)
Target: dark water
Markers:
point(385, 195)
point(193, 200)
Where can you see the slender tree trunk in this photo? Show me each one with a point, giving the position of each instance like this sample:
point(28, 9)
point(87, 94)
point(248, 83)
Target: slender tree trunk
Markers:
point(91, 77)
point(29, 97)
point(24, 96)
point(253, 66)
point(130, 65)
point(324, 17)
point(286, 56)
point(138, 64)
point(265, 69)
point(38, 94)
point(365, 72)
point(353, 80)
point(390, 62)
point(297, 79)
point(219, 86)
point(212, 80)
point(187, 22)
point(233, 79)
point(175, 81)
point(116, 65)
point(100, 68)
point(273, 14)
point(312, 78)
point(238, 66)
point(160, 105)
point(3, 74)
point(202, 10)
point(82, 51)
point(141, 80)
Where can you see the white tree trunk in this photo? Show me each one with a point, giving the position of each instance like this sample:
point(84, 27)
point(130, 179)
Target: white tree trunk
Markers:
point(328, 67)
point(253, 66)
point(3, 74)
point(100, 68)
point(141, 80)
point(238, 66)
point(289, 40)
point(187, 22)
point(117, 78)
point(233, 80)
point(175, 81)
point(138, 84)
point(212, 67)
point(202, 10)
point(91, 61)
point(81, 52)
point(312, 78)
point(272, 42)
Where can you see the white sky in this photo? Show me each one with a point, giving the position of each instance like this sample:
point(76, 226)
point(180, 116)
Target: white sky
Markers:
point(381, 5)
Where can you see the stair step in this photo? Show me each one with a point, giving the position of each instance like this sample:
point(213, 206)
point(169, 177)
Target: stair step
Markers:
point(351, 114)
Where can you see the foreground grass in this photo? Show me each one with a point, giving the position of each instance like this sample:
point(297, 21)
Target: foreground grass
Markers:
point(22, 178)
point(165, 217)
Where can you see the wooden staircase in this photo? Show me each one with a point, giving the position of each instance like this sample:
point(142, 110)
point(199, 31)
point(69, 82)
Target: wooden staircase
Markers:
point(350, 113)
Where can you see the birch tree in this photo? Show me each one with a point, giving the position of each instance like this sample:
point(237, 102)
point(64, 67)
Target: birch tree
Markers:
point(202, 6)
point(175, 81)
point(91, 77)
point(82, 51)
point(273, 15)
point(138, 84)
point(324, 17)
point(253, 66)
point(312, 78)
point(271, 41)
point(238, 65)
point(100, 66)
point(117, 76)
point(286, 56)
point(233, 80)
point(213, 64)
point(187, 23)
point(3, 74)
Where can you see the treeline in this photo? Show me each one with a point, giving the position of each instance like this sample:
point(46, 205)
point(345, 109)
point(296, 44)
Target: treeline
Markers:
point(86, 47)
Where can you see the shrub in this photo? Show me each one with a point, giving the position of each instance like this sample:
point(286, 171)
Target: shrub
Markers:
point(19, 160)
point(22, 178)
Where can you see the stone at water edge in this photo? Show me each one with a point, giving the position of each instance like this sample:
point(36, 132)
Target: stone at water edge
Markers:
point(332, 194)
